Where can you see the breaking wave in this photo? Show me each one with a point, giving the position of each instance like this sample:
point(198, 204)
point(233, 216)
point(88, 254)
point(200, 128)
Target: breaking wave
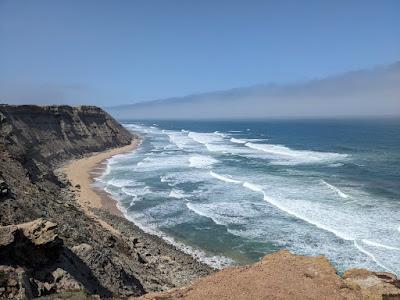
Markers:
point(335, 189)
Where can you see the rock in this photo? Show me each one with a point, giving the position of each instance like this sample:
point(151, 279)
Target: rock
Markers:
point(125, 283)
point(14, 283)
point(282, 275)
point(5, 191)
point(374, 285)
point(30, 244)
point(141, 259)
point(82, 248)
point(60, 281)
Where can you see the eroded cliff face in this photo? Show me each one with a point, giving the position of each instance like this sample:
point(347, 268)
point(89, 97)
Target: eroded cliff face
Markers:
point(44, 136)
point(67, 251)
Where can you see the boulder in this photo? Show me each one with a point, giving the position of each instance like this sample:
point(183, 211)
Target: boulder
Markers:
point(30, 244)
point(374, 285)
point(14, 283)
point(5, 191)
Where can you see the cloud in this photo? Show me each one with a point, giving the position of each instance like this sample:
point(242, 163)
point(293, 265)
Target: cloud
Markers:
point(359, 93)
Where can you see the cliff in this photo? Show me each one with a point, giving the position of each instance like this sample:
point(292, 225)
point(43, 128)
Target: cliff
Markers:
point(48, 245)
point(41, 137)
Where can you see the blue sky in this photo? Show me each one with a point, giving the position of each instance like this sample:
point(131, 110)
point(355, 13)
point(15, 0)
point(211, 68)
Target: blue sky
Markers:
point(120, 52)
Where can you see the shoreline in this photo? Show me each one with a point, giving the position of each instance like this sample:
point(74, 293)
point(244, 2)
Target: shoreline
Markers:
point(80, 172)
point(153, 251)
point(74, 245)
point(92, 199)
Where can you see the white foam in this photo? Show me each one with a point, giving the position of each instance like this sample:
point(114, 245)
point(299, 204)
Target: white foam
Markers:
point(224, 213)
point(120, 182)
point(178, 194)
point(375, 244)
point(282, 207)
point(215, 143)
point(288, 210)
point(202, 161)
point(335, 165)
point(238, 141)
point(255, 140)
point(372, 230)
point(160, 162)
point(357, 245)
point(220, 134)
point(204, 138)
point(175, 178)
point(282, 155)
point(226, 178)
point(335, 189)
point(253, 187)
point(201, 213)
point(136, 191)
point(180, 139)
point(215, 261)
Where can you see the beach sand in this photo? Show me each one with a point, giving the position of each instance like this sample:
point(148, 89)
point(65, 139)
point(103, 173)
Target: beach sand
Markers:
point(81, 173)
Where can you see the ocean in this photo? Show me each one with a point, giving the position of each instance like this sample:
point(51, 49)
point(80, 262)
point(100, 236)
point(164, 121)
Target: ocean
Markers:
point(230, 192)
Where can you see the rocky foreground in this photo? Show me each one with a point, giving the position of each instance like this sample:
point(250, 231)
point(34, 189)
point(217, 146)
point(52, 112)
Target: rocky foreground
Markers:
point(51, 249)
point(283, 275)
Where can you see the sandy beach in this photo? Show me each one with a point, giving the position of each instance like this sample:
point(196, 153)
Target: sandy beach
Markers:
point(81, 173)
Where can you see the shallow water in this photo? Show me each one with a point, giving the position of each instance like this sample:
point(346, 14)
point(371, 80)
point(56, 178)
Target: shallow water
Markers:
point(234, 191)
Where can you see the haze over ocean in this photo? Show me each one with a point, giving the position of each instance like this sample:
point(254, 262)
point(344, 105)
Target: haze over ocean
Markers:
point(234, 191)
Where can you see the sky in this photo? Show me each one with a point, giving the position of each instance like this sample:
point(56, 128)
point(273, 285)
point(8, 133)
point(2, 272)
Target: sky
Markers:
point(121, 52)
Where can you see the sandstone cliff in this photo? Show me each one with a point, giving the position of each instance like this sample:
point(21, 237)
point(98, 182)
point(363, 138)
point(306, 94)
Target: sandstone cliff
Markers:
point(64, 251)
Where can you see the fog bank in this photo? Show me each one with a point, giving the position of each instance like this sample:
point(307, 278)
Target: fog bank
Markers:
point(374, 92)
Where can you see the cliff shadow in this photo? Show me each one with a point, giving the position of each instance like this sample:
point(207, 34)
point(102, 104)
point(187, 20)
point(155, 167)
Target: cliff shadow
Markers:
point(77, 269)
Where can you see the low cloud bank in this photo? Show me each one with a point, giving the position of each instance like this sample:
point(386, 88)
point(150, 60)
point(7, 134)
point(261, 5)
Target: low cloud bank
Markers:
point(374, 92)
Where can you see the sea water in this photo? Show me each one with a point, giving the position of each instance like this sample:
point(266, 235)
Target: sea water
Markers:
point(230, 192)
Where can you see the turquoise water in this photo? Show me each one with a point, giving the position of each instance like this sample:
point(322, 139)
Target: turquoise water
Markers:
point(231, 192)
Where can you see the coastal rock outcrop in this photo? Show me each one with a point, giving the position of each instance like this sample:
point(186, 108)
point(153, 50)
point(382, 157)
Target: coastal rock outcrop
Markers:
point(30, 244)
point(282, 275)
point(374, 285)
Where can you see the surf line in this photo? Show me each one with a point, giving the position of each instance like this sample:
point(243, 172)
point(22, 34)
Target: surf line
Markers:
point(335, 189)
point(257, 188)
point(357, 245)
point(371, 243)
